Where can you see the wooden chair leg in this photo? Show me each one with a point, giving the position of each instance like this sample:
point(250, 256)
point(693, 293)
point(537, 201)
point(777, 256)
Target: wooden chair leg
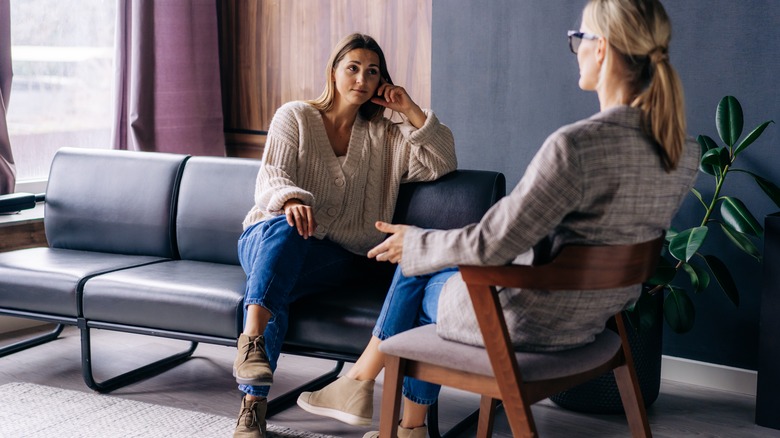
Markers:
point(487, 416)
point(634, 405)
point(521, 420)
point(391, 397)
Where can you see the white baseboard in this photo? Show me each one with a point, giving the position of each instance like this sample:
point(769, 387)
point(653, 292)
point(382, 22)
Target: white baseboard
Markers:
point(710, 375)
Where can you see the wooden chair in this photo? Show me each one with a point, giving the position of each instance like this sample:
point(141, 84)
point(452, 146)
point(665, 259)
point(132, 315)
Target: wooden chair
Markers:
point(519, 379)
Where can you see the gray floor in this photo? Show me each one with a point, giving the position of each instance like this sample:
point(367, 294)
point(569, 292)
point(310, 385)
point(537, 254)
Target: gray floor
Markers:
point(205, 384)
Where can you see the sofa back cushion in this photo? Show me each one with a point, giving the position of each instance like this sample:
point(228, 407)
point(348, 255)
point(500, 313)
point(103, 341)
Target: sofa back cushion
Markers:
point(215, 195)
point(455, 200)
point(112, 201)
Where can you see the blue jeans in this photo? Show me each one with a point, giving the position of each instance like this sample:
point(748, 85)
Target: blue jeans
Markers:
point(412, 302)
point(281, 267)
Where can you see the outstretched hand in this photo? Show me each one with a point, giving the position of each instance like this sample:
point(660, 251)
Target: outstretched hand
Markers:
point(392, 248)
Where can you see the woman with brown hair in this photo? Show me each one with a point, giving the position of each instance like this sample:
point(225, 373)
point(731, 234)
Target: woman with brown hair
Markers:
point(331, 168)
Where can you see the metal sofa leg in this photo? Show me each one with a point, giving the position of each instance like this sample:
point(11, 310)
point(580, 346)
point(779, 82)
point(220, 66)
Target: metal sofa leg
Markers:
point(288, 399)
point(129, 377)
point(32, 341)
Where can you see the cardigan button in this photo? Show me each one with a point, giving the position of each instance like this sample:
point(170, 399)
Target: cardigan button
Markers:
point(332, 211)
point(339, 182)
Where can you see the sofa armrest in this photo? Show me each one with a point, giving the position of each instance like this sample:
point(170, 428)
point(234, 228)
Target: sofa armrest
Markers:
point(14, 202)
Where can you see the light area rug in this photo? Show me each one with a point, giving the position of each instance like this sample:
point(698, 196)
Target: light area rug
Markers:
point(30, 410)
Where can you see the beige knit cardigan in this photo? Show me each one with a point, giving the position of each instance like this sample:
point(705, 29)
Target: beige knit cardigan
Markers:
point(299, 162)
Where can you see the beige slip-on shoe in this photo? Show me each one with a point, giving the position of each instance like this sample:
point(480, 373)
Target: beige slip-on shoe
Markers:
point(346, 399)
point(417, 432)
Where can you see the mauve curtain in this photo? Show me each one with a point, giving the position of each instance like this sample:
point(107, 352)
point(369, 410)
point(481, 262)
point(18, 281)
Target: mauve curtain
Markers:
point(7, 167)
point(168, 96)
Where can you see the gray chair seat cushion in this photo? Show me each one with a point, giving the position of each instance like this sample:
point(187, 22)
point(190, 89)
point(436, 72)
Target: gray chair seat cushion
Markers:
point(178, 295)
point(46, 280)
point(423, 344)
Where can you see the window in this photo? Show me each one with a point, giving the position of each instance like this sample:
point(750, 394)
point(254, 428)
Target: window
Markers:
point(62, 54)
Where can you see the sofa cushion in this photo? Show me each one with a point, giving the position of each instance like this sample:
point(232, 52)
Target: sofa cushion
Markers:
point(340, 321)
point(215, 195)
point(46, 280)
point(178, 295)
point(112, 201)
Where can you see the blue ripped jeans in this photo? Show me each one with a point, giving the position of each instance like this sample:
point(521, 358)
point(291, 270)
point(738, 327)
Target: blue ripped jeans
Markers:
point(412, 302)
point(281, 267)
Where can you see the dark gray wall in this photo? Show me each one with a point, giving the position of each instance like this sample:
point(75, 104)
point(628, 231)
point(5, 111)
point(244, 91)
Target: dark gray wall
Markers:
point(503, 79)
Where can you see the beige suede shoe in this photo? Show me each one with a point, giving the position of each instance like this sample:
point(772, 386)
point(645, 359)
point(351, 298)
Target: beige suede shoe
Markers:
point(251, 366)
point(347, 400)
point(251, 419)
point(417, 432)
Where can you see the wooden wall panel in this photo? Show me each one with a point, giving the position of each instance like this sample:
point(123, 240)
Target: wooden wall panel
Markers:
point(275, 51)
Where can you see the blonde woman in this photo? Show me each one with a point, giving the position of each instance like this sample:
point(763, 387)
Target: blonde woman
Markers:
point(617, 177)
point(331, 169)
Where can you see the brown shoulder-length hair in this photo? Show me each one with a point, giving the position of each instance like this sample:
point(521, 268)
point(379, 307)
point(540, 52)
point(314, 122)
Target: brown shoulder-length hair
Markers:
point(368, 110)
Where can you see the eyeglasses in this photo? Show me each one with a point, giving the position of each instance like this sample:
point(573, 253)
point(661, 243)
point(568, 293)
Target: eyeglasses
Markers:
point(576, 37)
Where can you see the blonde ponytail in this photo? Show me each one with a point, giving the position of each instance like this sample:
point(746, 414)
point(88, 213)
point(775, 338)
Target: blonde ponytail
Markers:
point(663, 105)
point(639, 31)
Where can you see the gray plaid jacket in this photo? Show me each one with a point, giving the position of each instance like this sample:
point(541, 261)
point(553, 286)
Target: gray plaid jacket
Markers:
point(596, 181)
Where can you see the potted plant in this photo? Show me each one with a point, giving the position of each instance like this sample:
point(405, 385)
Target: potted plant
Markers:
point(734, 220)
point(664, 297)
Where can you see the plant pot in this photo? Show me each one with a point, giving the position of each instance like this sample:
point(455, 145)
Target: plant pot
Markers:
point(768, 388)
point(601, 395)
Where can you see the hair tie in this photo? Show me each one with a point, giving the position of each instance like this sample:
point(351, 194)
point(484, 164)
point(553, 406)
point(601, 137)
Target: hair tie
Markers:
point(659, 54)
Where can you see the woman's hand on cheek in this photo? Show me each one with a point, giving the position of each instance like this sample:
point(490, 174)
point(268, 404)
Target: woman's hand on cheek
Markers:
point(397, 99)
point(392, 96)
point(392, 248)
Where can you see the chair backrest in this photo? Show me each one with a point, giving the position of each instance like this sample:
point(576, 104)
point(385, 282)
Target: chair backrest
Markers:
point(465, 196)
point(576, 267)
point(214, 197)
point(112, 201)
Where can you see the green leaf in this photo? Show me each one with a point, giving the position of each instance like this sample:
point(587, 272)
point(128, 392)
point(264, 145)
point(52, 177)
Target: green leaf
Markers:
point(754, 134)
point(723, 276)
point(678, 310)
point(728, 120)
point(741, 241)
point(737, 215)
point(771, 190)
point(706, 144)
point(700, 279)
point(670, 233)
point(698, 196)
point(685, 244)
point(664, 272)
point(713, 159)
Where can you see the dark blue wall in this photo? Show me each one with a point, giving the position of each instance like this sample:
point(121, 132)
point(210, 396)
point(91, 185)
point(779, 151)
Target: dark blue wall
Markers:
point(503, 79)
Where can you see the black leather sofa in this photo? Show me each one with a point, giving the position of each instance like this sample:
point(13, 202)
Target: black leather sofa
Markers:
point(146, 243)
